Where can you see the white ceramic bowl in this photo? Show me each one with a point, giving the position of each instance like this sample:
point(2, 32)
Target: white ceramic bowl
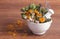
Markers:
point(39, 28)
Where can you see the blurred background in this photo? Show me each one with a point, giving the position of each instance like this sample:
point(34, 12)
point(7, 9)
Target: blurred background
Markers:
point(10, 12)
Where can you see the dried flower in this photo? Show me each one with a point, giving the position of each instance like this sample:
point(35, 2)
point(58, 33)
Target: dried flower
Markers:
point(30, 11)
point(36, 11)
point(10, 27)
point(42, 19)
point(19, 22)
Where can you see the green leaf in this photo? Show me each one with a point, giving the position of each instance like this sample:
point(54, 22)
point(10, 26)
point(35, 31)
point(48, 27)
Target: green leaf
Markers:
point(23, 15)
point(23, 9)
point(27, 8)
point(43, 11)
point(32, 6)
point(47, 20)
point(38, 7)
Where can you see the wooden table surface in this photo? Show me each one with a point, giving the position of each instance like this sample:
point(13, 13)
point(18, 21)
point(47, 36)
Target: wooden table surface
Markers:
point(10, 12)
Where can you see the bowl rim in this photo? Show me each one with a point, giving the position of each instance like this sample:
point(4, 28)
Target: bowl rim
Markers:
point(41, 23)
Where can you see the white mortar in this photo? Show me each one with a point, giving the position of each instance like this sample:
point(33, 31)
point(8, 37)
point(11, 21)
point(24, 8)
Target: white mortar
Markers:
point(39, 28)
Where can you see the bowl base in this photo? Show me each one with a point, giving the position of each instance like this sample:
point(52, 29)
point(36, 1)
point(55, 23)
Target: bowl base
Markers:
point(39, 33)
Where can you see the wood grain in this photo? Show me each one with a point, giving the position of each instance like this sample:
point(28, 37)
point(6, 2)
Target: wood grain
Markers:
point(10, 12)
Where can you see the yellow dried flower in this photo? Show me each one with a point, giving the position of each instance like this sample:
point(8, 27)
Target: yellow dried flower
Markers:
point(40, 15)
point(27, 13)
point(10, 32)
point(10, 27)
point(14, 35)
point(19, 22)
point(28, 17)
point(42, 19)
point(36, 11)
point(30, 10)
